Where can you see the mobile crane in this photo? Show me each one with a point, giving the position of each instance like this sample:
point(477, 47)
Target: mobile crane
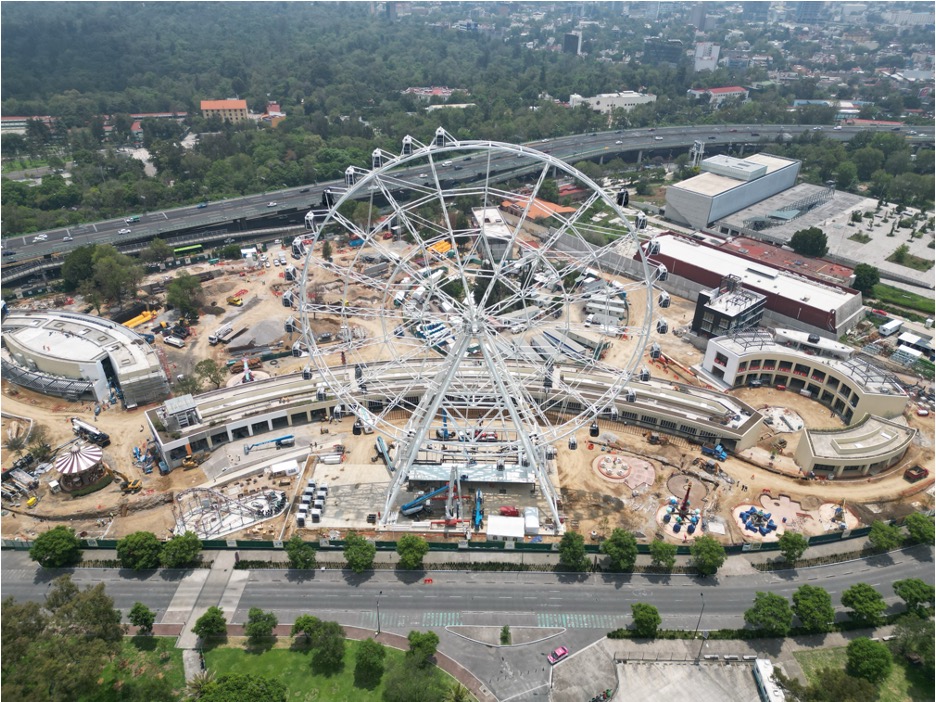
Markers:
point(279, 442)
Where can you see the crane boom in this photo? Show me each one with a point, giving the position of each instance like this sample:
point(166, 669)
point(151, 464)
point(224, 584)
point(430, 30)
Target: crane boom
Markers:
point(280, 442)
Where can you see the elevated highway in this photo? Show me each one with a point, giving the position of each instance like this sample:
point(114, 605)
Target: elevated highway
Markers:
point(240, 218)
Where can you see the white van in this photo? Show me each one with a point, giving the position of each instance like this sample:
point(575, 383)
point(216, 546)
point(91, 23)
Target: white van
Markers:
point(174, 341)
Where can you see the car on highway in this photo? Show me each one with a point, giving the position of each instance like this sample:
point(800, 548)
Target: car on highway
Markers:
point(123, 231)
point(304, 190)
point(557, 655)
point(658, 138)
point(619, 142)
point(732, 130)
point(202, 205)
point(446, 163)
point(7, 252)
point(132, 220)
point(458, 168)
point(755, 133)
point(40, 237)
point(271, 204)
point(837, 127)
point(711, 136)
point(68, 237)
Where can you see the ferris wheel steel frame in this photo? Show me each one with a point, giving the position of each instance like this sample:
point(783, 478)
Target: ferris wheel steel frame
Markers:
point(560, 253)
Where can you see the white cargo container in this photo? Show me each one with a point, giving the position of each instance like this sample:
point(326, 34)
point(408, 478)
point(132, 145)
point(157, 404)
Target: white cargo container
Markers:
point(331, 459)
point(890, 328)
point(531, 525)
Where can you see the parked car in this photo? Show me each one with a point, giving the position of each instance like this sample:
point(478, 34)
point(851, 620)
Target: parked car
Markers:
point(557, 655)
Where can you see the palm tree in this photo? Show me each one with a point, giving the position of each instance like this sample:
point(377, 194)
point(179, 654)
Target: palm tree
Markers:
point(195, 687)
point(458, 693)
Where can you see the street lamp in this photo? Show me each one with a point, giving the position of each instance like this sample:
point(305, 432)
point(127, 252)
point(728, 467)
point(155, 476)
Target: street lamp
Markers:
point(378, 612)
point(698, 623)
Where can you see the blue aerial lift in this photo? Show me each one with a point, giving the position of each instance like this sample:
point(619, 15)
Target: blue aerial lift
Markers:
point(279, 442)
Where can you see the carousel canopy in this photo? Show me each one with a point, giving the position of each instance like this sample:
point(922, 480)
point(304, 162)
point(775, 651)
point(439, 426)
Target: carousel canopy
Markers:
point(78, 458)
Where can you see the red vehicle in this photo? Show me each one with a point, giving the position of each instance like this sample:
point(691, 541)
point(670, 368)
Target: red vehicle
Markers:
point(388, 235)
point(557, 655)
point(915, 473)
point(509, 512)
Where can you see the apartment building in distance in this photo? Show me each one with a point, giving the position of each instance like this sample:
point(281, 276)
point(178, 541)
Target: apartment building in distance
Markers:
point(227, 110)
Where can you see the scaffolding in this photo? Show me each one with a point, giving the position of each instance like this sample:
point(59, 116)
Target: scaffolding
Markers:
point(211, 514)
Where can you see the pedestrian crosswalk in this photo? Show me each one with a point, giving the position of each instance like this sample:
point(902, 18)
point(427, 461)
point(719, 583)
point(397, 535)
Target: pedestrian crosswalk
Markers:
point(581, 621)
point(431, 619)
point(402, 620)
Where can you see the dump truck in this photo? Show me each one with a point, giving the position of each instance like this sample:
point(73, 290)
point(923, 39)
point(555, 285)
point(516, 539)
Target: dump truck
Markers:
point(715, 450)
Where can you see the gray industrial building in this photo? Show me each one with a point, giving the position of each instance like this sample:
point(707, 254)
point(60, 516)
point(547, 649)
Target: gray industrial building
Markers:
point(727, 185)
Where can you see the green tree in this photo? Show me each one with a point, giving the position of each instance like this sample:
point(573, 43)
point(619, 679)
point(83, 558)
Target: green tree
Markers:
point(865, 604)
point(211, 371)
point(505, 635)
point(458, 693)
point(915, 638)
point(56, 548)
point(306, 625)
point(708, 555)
point(260, 625)
point(116, 276)
point(422, 647)
point(549, 191)
point(572, 551)
point(328, 641)
point(358, 552)
point(327, 251)
point(57, 651)
point(196, 685)
point(369, 664)
point(846, 175)
point(185, 294)
point(900, 254)
point(621, 549)
point(181, 551)
point(212, 624)
point(139, 550)
point(915, 593)
point(866, 277)
point(663, 554)
point(78, 267)
point(812, 605)
point(884, 536)
point(810, 242)
point(920, 527)
point(792, 546)
point(829, 685)
point(230, 252)
point(646, 619)
point(301, 555)
point(868, 659)
point(239, 687)
point(771, 614)
point(405, 682)
point(142, 617)
point(187, 385)
point(411, 549)
point(157, 250)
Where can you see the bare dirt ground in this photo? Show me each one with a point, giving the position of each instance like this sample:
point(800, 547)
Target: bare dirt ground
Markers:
point(589, 502)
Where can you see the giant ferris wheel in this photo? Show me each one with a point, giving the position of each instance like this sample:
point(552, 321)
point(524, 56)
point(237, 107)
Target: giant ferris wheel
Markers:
point(478, 320)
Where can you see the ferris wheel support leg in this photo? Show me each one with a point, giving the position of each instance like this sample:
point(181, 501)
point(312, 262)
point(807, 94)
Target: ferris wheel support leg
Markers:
point(419, 424)
point(537, 459)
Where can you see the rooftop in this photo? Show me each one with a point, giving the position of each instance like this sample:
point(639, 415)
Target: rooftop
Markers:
point(540, 209)
point(714, 184)
point(224, 104)
point(753, 275)
point(755, 250)
point(869, 437)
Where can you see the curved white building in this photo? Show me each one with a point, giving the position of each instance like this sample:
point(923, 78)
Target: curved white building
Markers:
point(80, 357)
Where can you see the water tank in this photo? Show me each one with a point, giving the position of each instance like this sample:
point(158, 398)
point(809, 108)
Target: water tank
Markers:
point(593, 430)
point(662, 327)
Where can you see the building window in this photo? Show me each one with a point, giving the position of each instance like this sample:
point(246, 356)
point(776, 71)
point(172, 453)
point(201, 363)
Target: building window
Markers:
point(721, 359)
point(667, 424)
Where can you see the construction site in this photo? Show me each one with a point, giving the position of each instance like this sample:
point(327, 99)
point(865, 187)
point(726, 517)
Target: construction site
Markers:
point(375, 399)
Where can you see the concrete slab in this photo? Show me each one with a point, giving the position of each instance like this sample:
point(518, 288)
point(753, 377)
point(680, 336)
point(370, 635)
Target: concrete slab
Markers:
point(708, 681)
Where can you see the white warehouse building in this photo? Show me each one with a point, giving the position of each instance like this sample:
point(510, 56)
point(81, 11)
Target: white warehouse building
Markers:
point(605, 102)
point(727, 185)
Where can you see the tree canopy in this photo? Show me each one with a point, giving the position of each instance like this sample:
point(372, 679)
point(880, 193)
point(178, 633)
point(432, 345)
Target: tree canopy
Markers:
point(920, 527)
point(916, 593)
point(868, 659)
point(812, 605)
point(259, 625)
point(792, 546)
point(771, 614)
point(301, 555)
point(139, 550)
point(621, 549)
point(884, 536)
point(810, 242)
point(708, 555)
point(358, 552)
point(422, 647)
point(411, 550)
point(56, 548)
point(237, 687)
point(572, 551)
point(212, 624)
point(865, 604)
point(646, 619)
point(181, 550)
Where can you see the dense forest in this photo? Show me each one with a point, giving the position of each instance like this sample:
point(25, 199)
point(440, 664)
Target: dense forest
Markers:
point(338, 71)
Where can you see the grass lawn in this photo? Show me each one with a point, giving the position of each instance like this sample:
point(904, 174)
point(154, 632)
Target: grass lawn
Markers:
point(141, 657)
point(905, 683)
point(911, 261)
point(897, 296)
point(293, 667)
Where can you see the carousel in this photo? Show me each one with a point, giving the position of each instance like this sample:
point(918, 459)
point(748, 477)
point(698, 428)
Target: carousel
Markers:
point(82, 464)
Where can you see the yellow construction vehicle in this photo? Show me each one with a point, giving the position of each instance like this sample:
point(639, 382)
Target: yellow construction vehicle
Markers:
point(126, 484)
point(236, 301)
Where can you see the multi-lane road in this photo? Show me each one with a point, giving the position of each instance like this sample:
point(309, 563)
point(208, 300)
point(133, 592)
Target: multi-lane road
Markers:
point(229, 213)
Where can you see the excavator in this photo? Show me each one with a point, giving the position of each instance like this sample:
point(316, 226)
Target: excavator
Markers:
point(126, 484)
